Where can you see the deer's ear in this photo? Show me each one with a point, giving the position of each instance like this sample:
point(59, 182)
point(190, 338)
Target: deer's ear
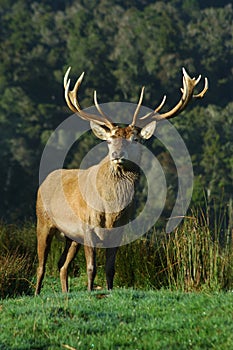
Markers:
point(100, 131)
point(148, 130)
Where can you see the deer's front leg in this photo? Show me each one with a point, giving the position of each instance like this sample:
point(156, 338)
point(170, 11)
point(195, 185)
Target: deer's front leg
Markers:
point(110, 266)
point(90, 254)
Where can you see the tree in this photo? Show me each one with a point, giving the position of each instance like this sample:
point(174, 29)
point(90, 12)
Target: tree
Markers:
point(122, 47)
point(209, 41)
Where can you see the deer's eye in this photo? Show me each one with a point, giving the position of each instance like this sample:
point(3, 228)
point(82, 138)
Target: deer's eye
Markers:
point(134, 139)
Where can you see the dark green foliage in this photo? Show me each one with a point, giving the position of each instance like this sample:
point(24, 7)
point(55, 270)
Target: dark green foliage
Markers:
point(121, 45)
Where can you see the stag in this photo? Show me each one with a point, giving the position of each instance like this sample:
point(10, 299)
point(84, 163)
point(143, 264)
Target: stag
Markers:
point(100, 196)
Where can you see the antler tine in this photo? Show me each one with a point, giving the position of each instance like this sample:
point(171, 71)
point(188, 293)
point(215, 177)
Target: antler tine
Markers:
point(71, 96)
point(138, 107)
point(187, 94)
point(74, 93)
point(65, 80)
point(202, 93)
point(105, 117)
point(161, 104)
point(67, 86)
point(73, 104)
point(157, 109)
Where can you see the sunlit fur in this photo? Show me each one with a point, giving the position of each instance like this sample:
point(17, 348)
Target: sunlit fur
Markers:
point(81, 202)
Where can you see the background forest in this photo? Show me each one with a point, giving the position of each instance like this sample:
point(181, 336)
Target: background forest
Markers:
point(121, 45)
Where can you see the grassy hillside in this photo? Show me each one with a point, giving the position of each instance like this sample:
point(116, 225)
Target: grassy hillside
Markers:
point(123, 319)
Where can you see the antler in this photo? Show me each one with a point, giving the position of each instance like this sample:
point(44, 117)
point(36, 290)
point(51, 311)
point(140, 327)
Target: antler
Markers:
point(187, 94)
point(73, 104)
point(138, 107)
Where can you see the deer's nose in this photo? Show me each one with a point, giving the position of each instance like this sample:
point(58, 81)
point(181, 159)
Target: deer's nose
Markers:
point(119, 155)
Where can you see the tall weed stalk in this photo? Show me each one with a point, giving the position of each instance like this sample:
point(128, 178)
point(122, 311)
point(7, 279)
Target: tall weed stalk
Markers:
point(193, 257)
point(17, 259)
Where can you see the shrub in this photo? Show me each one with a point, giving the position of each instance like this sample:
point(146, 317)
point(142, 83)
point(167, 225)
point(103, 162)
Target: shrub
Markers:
point(17, 260)
point(15, 275)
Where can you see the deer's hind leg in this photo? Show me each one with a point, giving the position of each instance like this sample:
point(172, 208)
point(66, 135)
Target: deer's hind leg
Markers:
point(69, 253)
point(110, 266)
point(44, 238)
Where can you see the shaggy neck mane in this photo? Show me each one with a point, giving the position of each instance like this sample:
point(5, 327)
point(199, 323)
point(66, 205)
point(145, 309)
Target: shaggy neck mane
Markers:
point(120, 179)
point(119, 172)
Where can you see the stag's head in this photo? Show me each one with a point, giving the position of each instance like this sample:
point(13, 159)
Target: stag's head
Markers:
point(123, 142)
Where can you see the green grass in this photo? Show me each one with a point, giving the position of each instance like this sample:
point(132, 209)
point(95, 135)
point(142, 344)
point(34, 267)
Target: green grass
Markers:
point(122, 319)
